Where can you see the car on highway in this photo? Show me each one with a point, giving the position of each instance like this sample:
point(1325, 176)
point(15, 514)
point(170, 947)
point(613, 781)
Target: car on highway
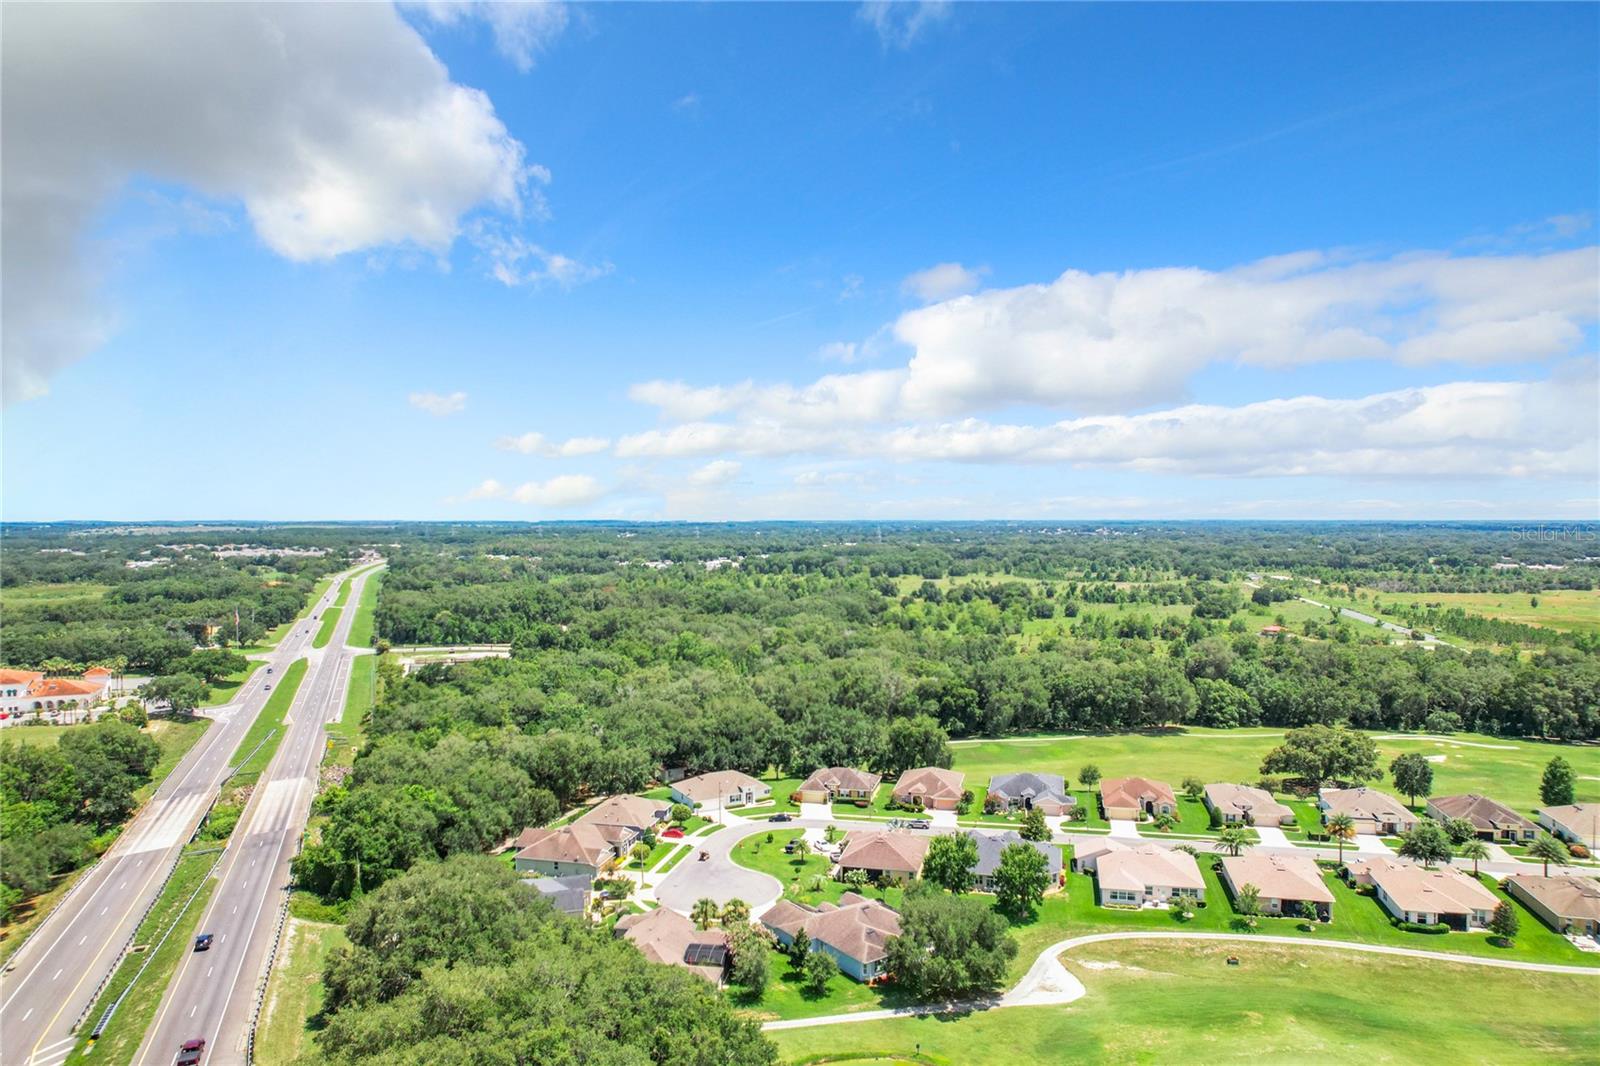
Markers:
point(268, 687)
point(203, 942)
point(189, 1054)
point(781, 817)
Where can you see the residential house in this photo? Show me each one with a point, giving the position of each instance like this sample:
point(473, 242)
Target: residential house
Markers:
point(1246, 805)
point(1283, 881)
point(720, 790)
point(856, 932)
point(576, 849)
point(630, 812)
point(1415, 893)
point(667, 937)
point(1131, 797)
point(1046, 793)
point(1492, 820)
point(1567, 904)
point(837, 783)
point(932, 787)
point(1576, 823)
point(569, 895)
point(1086, 856)
point(1147, 876)
point(990, 847)
point(884, 854)
point(1374, 812)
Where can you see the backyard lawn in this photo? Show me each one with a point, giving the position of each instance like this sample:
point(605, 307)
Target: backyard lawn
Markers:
point(1150, 1002)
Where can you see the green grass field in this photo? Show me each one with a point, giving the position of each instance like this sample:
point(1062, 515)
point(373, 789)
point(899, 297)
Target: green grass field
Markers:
point(343, 595)
point(228, 687)
point(347, 734)
point(1572, 610)
point(330, 619)
point(361, 626)
point(1507, 770)
point(1151, 1002)
point(120, 1041)
point(295, 992)
point(268, 727)
point(52, 594)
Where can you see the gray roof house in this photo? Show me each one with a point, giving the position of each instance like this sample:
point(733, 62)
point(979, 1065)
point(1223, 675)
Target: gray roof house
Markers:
point(1027, 791)
point(569, 895)
point(990, 846)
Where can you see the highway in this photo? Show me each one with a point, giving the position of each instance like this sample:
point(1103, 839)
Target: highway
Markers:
point(51, 981)
point(213, 993)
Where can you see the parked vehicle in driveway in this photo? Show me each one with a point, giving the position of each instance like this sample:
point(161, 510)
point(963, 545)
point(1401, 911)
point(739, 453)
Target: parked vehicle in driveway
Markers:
point(189, 1054)
point(203, 942)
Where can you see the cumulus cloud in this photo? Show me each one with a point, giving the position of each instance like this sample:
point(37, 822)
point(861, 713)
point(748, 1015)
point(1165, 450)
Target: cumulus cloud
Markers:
point(942, 281)
point(899, 23)
point(1122, 341)
point(565, 490)
point(334, 126)
point(438, 404)
point(715, 473)
point(1464, 429)
point(522, 28)
point(536, 444)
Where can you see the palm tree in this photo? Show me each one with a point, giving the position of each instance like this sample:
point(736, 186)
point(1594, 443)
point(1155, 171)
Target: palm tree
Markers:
point(1474, 850)
point(1547, 849)
point(1341, 827)
point(1233, 840)
point(640, 852)
point(704, 912)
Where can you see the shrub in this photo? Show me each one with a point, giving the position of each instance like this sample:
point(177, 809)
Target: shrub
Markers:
point(1419, 927)
point(1578, 851)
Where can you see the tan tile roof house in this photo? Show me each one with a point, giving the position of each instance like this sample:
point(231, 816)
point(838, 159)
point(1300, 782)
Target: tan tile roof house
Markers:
point(1284, 881)
point(856, 932)
point(1493, 820)
point(1086, 856)
point(1417, 894)
point(1147, 875)
point(837, 782)
point(1129, 797)
point(721, 788)
point(1246, 805)
point(882, 852)
point(1374, 812)
point(571, 849)
point(1567, 904)
point(633, 812)
point(665, 936)
point(930, 786)
point(1575, 822)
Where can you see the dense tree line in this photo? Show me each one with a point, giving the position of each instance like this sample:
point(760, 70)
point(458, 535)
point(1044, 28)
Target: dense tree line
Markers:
point(55, 801)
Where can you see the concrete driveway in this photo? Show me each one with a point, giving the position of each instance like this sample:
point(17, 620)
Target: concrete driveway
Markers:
point(1122, 827)
point(821, 812)
point(1273, 837)
point(941, 819)
point(1367, 844)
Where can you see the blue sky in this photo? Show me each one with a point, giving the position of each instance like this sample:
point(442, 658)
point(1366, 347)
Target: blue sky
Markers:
point(758, 261)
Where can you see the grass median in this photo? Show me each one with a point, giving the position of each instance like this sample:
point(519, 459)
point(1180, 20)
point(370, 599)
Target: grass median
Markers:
point(166, 936)
point(330, 621)
point(258, 745)
point(361, 627)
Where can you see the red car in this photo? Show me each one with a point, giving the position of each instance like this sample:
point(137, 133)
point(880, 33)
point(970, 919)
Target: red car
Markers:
point(189, 1054)
point(673, 834)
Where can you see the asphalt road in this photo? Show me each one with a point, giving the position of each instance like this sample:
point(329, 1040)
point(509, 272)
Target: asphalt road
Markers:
point(213, 993)
point(53, 978)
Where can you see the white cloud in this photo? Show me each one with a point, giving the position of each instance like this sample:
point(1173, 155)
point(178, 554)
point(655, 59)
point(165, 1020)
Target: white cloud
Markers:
point(565, 490)
point(900, 22)
point(942, 281)
point(715, 473)
point(1109, 342)
point(334, 126)
point(437, 404)
point(687, 102)
point(536, 444)
point(1464, 429)
point(515, 260)
point(838, 352)
point(851, 286)
point(522, 29)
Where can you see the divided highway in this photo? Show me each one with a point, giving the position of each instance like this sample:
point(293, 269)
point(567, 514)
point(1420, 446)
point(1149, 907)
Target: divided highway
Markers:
point(213, 994)
point(52, 979)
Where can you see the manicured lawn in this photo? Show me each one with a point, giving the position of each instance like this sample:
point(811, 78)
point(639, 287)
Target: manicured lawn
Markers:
point(1505, 769)
point(657, 853)
point(295, 992)
point(330, 619)
point(782, 789)
point(34, 736)
point(120, 1041)
point(1150, 1002)
point(783, 997)
point(361, 626)
point(268, 727)
point(796, 871)
point(675, 860)
point(342, 597)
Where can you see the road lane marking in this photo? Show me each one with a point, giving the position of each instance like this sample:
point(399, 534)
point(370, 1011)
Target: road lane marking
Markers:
point(25, 1017)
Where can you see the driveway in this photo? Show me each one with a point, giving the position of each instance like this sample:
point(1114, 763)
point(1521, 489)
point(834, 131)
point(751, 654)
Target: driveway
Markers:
point(1272, 837)
point(1122, 827)
point(941, 819)
point(822, 812)
point(1367, 844)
